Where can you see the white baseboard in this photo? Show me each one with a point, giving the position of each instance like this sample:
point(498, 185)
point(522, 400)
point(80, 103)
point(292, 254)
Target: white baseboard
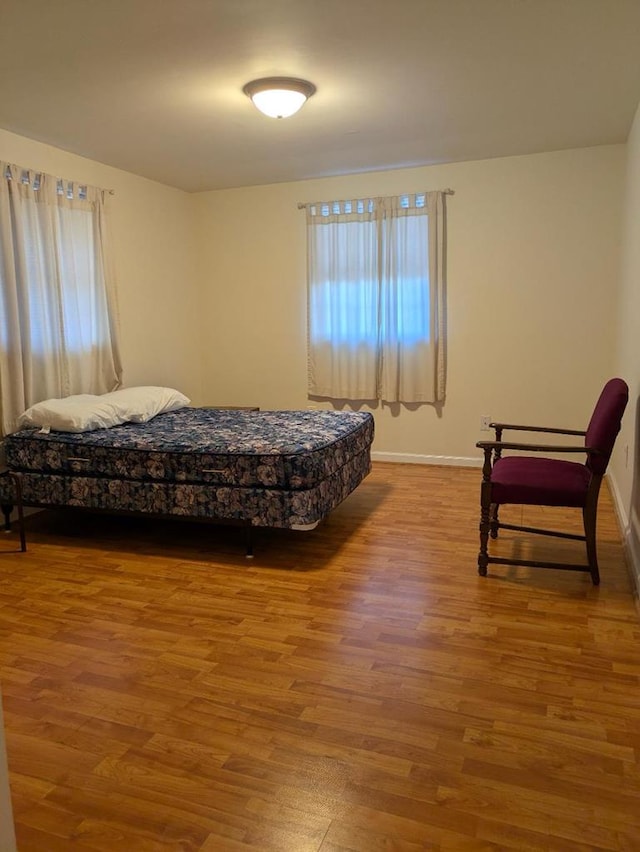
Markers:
point(630, 533)
point(414, 458)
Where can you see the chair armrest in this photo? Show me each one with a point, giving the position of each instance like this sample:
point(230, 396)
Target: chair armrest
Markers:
point(535, 448)
point(537, 429)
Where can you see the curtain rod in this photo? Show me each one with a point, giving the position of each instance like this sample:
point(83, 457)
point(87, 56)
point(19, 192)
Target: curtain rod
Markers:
point(56, 177)
point(304, 205)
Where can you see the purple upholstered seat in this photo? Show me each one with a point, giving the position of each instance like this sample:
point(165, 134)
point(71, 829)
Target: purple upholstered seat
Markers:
point(539, 482)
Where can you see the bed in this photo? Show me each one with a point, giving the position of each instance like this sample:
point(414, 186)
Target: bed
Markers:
point(285, 469)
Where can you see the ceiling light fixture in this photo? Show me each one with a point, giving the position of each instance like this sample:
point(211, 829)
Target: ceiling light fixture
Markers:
point(279, 97)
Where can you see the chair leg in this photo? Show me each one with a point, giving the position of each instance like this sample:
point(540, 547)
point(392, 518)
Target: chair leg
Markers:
point(485, 528)
point(494, 520)
point(589, 517)
point(485, 514)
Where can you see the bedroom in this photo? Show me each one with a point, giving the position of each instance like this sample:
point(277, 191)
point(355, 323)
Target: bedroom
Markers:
point(543, 295)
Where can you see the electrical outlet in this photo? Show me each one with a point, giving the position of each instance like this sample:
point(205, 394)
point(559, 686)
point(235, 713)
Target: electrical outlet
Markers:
point(485, 419)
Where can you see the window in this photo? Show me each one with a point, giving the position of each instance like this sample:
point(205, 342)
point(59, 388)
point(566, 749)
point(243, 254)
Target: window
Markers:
point(376, 298)
point(57, 323)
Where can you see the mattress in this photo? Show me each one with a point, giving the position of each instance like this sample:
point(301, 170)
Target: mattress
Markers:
point(278, 449)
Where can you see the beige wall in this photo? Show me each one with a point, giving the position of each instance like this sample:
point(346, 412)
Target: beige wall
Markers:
point(153, 240)
point(532, 268)
point(625, 466)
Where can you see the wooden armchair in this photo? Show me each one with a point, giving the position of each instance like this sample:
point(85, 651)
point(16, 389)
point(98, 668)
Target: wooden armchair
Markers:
point(539, 481)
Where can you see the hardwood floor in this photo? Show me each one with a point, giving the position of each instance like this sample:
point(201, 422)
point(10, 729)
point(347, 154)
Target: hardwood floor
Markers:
point(357, 687)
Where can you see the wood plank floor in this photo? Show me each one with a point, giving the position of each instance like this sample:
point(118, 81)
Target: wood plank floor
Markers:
point(357, 687)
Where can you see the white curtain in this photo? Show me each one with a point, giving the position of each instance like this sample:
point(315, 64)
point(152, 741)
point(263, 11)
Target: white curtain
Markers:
point(376, 299)
point(57, 309)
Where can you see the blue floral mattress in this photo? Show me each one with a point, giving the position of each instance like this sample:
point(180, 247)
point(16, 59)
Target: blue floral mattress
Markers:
point(270, 468)
point(292, 450)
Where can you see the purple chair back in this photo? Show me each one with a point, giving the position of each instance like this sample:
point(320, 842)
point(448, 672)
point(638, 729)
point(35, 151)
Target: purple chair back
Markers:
point(605, 424)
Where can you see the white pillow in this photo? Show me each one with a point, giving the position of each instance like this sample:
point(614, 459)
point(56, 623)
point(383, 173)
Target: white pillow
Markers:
point(86, 412)
point(142, 403)
point(81, 413)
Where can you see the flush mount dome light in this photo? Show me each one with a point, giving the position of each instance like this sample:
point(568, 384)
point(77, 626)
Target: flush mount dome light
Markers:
point(279, 97)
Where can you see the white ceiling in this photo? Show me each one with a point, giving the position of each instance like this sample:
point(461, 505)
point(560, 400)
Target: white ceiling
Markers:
point(155, 86)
